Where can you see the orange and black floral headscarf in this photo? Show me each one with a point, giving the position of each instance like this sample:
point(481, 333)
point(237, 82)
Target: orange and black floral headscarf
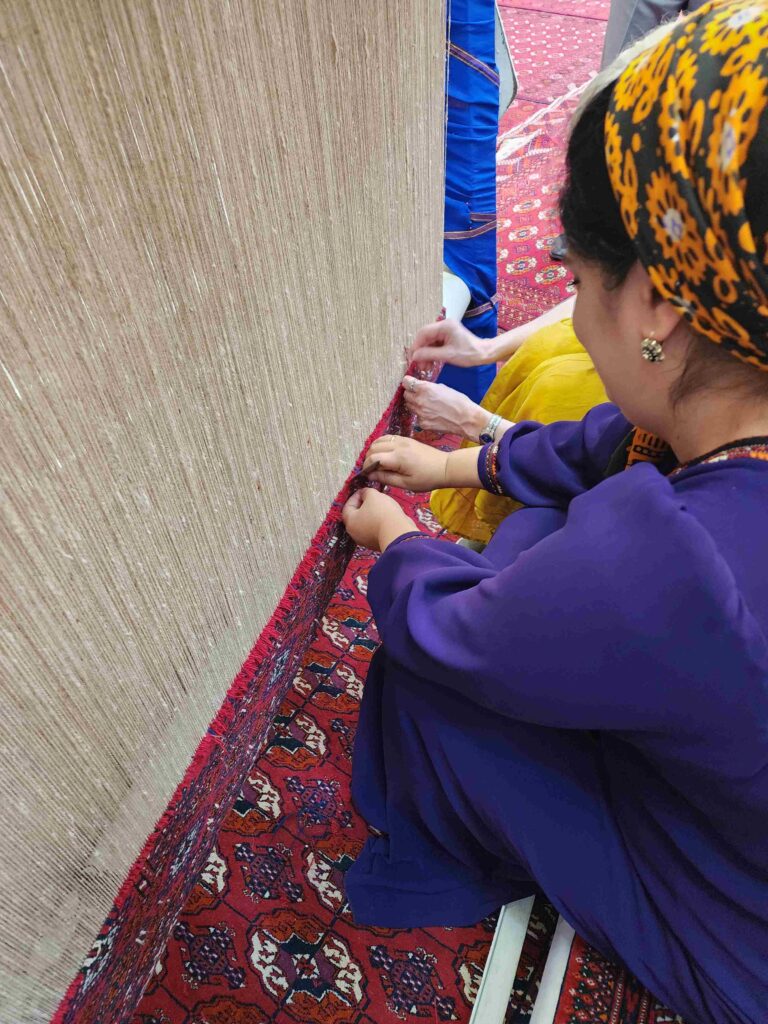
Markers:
point(686, 139)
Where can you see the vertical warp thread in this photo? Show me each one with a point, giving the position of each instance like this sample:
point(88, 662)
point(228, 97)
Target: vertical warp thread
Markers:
point(220, 223)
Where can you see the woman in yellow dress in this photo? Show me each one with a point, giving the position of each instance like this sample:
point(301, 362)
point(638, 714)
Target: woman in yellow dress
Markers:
point(547, 376)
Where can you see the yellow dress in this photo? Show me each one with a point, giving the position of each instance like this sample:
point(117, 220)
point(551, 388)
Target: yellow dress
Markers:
point(549, 378)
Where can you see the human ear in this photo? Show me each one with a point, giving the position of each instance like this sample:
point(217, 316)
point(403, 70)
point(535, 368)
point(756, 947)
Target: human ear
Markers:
point(658, 317)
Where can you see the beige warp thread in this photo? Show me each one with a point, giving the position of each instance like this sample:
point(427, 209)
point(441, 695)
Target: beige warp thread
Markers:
point(221, 220)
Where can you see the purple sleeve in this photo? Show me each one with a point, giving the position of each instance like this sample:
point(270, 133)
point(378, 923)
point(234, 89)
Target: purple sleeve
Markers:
point(548, 466)
point(598, 626)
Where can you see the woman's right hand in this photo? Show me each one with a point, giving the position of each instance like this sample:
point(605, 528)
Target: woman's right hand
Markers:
point(403, 462)
point(448, 341)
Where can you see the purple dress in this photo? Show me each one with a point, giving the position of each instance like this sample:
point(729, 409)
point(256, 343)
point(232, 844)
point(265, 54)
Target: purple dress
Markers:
point(582, 710)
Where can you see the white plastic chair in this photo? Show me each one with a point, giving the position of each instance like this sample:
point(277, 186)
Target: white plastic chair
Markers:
point(502, 963)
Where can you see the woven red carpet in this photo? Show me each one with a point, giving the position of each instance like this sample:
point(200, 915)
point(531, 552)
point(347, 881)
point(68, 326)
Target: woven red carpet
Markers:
point(556, 46)
point(530, 174)
point(595, 9)
point(266, 935)
point(162, 879)
point(596, 991)
point(552, 50)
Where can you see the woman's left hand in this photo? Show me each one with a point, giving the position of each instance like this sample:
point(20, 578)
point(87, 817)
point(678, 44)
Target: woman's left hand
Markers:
point(442, 408)
point(374, 519)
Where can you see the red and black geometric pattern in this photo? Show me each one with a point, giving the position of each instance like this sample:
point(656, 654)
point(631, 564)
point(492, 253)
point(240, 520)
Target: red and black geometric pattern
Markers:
point(161, 881)
point(595, 990)
point(556, 46)
point(266, 935)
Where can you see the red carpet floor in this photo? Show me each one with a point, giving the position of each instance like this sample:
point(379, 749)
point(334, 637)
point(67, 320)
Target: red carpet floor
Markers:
point(556, 46)
point(553, 48)
point(266, 936)
point(530, 173)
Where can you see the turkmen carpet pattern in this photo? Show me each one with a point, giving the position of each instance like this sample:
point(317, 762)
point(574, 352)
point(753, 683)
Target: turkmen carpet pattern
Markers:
point(530, 174)
point(556, 46)
point(595, 990)
point(114, 975)
point(266, 935)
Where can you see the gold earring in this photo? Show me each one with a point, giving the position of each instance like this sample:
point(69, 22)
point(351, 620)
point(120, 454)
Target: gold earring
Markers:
point(652, 350)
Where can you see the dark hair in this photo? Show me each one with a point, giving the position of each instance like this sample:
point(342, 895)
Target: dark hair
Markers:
point(588, 208)
point(594, 230)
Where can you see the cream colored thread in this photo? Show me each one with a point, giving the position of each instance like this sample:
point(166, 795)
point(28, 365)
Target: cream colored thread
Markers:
point(221, 221)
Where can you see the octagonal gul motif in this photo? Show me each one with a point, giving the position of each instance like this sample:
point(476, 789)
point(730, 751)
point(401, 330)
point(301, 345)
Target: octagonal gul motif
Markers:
point(320, 809)
point(311, 973)
point(208, 955)
point(267, 872)
point(411, 983)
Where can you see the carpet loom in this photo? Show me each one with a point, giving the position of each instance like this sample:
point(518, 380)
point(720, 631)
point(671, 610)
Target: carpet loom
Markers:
point(215, 248)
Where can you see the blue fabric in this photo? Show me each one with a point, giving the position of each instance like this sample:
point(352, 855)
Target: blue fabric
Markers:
point(470, 173)
point(582, 708)
point(472, 381)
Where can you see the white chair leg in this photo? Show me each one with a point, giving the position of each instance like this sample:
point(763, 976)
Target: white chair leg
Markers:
point(545, 1008)
point(501, 966)
point(503, 959)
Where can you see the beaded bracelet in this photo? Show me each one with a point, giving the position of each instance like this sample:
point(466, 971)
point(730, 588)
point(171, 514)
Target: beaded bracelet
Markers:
point(492, 468)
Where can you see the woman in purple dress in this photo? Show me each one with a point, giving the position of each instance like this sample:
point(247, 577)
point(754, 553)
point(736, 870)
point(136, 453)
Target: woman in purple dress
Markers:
point(582, 709)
